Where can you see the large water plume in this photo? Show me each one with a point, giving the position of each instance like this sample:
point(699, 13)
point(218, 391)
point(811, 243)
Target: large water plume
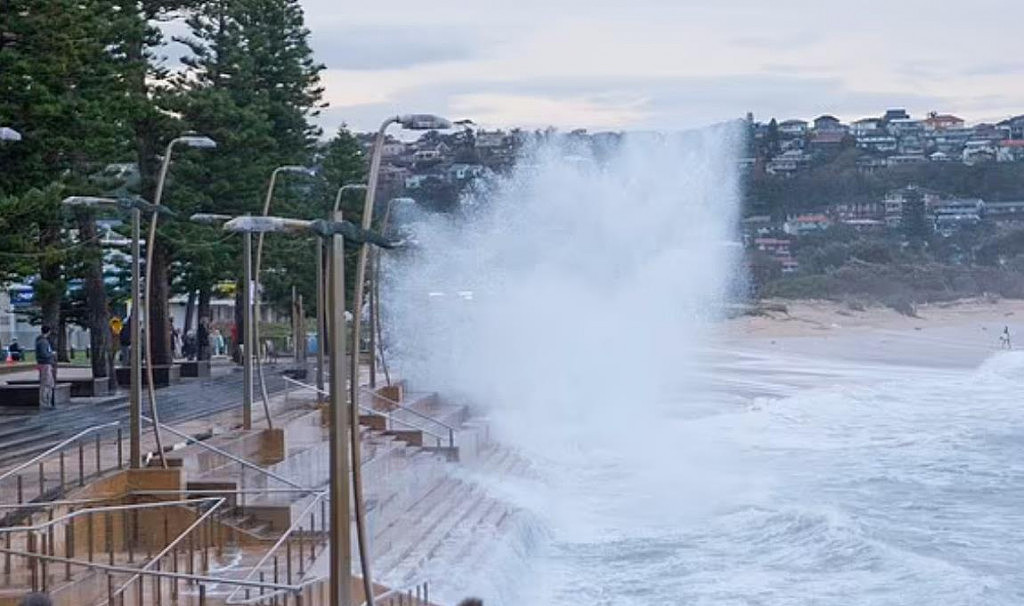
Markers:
point(583, 277)
point(567, 300)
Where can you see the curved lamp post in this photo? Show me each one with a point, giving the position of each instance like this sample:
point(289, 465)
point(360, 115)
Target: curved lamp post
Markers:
point(137, 205)
point(198, 142)
point(9, 134)
point(289, 168)
point(321, 301)
point(408, 122)
point(341, 423)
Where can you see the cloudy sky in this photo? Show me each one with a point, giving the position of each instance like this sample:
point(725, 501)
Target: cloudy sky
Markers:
point(642, 64)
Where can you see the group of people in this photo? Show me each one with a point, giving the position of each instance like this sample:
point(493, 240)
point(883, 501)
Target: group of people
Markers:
point(198, 345)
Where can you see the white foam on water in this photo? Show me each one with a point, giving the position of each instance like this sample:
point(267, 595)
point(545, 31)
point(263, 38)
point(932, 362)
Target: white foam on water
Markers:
point(595, 280)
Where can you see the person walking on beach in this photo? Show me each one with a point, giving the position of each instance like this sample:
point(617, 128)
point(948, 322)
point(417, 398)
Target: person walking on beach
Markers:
point(44, 363)
point(1004, 339)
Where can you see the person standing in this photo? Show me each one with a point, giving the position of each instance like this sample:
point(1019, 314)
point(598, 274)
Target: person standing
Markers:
point(15, 350)
point(126, 341)
point(45, 365)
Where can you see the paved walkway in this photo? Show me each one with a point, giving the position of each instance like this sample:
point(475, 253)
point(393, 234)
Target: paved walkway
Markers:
point(22, 432)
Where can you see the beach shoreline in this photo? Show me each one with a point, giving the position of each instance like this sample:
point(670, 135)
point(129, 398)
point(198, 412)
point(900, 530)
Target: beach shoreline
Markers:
point(959, 333)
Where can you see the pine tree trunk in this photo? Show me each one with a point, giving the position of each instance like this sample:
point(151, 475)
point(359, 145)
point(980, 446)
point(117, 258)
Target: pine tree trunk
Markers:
point(49, 290)
point(159, 312)
point(62, 341)
point(98, 317)
point(190, 307)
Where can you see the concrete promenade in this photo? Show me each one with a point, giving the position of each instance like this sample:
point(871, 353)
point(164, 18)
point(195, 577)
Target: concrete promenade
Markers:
point(23, 433)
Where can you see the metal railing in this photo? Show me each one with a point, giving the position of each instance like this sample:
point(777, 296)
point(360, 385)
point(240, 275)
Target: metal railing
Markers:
point(416, 595)
point(227, 455)
point(451, 430)
point(391, 419)
point(296, 528)
point(45, 477)
point(113, 534)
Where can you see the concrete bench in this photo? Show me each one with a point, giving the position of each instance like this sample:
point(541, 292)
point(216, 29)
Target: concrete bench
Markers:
point(27, 396)
point(82, 387)
point(162, 375)
point(195, 368)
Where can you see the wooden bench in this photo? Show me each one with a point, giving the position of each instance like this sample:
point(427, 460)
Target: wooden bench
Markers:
point(81, 387)
point(27, 396)
point(162, 375)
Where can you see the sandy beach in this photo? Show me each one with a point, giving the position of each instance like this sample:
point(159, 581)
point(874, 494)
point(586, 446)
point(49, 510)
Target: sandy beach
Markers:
point(956, 334)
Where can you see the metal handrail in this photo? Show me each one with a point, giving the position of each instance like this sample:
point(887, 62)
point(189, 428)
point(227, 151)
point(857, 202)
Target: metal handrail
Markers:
point(392, 593)
point(280, 541)
point(369, 410)
point(92, 510)
point(408, 409)
point(183, 576)
point(181, 536)
point(224, 453)
point(57, 448)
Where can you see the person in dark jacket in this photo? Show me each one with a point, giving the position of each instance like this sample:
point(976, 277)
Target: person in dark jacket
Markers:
point(15, 350)
point(45, 364)
point(126, 341)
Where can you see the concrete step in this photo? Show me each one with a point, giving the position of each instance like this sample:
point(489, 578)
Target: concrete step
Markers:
point(418, 528)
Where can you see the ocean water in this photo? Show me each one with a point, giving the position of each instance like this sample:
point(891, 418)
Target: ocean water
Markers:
point(577, 303)
point(897, 486)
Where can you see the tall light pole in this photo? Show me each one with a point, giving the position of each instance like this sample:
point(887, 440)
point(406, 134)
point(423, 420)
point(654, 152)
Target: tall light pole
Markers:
point(9, 134)
point(341, 423)
point(198, 142)
point(409, 122)
point(289, 168)
point(321, 298)
point(247, 314)
point(136, 205)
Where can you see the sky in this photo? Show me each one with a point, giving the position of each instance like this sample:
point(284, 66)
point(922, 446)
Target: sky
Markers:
point(665, 64)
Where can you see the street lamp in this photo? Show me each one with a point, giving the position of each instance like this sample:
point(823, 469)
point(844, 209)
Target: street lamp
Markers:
point(198, 142)
point(321, 302)
point(9, 134)
point(247, 321)
point(341, 423)
point(409, 122)
point(137, 205)
point(288, 168)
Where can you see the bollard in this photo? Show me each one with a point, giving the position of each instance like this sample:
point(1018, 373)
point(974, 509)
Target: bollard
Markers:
point(120, 450)
point(62, 478)
point(21, 493)
point(42, 480)
point(98, 465)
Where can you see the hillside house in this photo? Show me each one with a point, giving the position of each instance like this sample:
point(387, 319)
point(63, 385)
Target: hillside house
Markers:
point(793, 128)
point(826, 123)
point(938, 122)
point(865, 126)
point(802, 225)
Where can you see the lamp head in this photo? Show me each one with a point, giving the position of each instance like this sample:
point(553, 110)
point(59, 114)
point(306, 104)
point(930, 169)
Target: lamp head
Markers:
point(266, 224)
point(302, 170)
point(197, 141)
point(9, 134)
point(210, 218)
point(423, 122)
